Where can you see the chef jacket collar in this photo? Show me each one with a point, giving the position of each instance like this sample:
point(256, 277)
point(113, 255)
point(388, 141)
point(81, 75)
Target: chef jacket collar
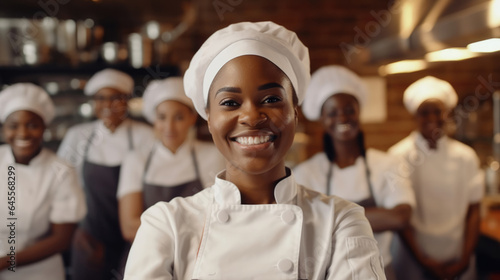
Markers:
point(184, 149)
point(103, 129)
point(227, 193)
point(37, 160)
point(422, 143)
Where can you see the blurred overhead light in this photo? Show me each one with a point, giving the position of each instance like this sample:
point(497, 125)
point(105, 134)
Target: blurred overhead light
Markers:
point(404, 66)
point(451, 54)
point(494, 14)
point(153, 30)
point(485, 46)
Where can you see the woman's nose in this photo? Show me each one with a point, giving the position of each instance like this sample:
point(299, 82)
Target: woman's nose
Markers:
point(252, 116)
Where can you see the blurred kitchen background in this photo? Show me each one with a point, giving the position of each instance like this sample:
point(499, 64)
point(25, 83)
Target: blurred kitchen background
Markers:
point(59, 44)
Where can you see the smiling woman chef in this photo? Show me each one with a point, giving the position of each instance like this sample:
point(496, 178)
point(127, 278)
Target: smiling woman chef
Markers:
point(255, 222)
point(448, 186)
point(177, 165)
point(98, 149)
point(346, 168)
point(46, 200)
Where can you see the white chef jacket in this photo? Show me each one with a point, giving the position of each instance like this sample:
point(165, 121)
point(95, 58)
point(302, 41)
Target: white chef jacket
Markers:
point(305, 235)
point(47, 191)
point(389, 188)
point(169, 169)
point(106, 148)
point(446, 181)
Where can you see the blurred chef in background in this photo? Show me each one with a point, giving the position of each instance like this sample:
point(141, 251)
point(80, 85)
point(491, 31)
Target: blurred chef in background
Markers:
point(98, 149)
point(42, 200)
point(177, 165)
point(448, 186)
point(346, 168)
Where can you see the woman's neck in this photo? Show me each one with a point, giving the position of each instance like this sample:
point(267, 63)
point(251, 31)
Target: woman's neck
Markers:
point(113, 125)
point(256, 188)
point(346, 152)
point(27, 160)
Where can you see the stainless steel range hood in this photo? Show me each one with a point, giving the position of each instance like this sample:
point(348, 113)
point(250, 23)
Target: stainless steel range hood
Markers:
point(413, 28)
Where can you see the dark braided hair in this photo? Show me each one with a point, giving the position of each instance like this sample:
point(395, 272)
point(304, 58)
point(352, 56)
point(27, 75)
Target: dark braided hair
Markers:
point(330, 149)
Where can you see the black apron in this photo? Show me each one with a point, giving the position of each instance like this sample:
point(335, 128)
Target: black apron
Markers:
point(98, 245)
point(367, 202)
point(155, 193)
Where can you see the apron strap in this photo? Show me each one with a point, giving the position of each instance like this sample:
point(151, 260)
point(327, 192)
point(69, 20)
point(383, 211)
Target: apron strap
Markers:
point(130, 138)
point(87, 146)
point(146, 166)
point(92, 135)
point(368, 180)
point(195, 163)
point(329, 179)
point(148, 163)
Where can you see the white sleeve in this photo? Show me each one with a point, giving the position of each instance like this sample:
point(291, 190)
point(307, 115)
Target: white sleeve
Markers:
point(397, 187)
point(67, 148)
point(474, 178)
point(131, 173)
point(309, 178)
point(68, 205)
point(354, 250)
point(210, 162)
point(72, 147)
point(152, 254)
point(144, 138)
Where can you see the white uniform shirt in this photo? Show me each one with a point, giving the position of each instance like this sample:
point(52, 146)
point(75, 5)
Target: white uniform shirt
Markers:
point(169, 169)
point(305, 235)
point(47, 191)
point(389, 189)
point(106, 148)
point(446, 181)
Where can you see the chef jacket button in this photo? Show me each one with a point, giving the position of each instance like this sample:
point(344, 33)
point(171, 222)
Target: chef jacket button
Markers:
point(287, 216)
point(285, 265)
point(223, 216)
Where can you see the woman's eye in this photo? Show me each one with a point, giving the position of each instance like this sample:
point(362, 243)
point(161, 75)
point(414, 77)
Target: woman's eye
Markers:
point(229, 103)
point(272, 99)
point(178, 118)
point(349, 111)
point(33, 126)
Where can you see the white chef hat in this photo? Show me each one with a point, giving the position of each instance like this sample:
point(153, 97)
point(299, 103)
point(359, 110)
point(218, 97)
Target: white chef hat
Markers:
point(162, 90)
point(328, 81)
point(427, 88)
point(29, 97)
point(109, 78)
point(266, 39)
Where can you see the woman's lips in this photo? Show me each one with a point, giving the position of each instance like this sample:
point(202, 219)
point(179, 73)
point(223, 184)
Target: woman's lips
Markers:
point(23, 143)
point(253, 140)
point(343, 127)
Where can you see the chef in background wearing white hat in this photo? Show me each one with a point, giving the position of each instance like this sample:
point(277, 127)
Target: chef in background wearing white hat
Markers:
point(97, 149)
point(346, 168)
point(255, 222)
point(177, 165)
point(41, 199)
point(448, 185)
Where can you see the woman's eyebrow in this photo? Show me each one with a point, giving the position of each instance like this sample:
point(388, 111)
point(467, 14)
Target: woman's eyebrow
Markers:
point(269, 85)
point(228, 89)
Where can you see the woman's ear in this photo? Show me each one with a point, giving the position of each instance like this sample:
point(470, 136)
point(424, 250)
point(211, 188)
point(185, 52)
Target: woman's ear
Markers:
point(208, 120)
point(296, 111)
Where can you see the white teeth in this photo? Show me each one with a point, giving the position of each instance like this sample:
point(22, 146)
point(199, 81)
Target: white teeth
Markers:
point(22, 143)
point(253, 140)
point(343, 127)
